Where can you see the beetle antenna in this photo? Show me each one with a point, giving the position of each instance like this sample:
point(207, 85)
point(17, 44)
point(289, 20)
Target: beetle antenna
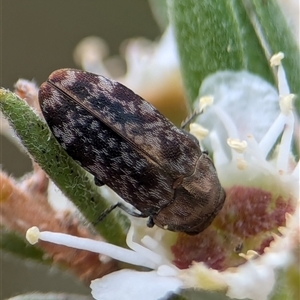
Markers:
point(127, 209)
point(190, 118)
point(105, 213)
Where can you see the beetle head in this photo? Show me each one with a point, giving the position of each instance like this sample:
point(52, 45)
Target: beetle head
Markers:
point(197, 200)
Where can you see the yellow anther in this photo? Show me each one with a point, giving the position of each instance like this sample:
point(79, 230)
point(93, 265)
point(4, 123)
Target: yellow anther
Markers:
point(286, 103)
point(205, 101)
point(198, 131)
point(276, 59)
point(236, 144)
point(33, 235)
point(241, 164)
point(251, 254)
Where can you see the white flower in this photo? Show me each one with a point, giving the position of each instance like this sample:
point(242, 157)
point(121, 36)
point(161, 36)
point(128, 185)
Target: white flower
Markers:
point(146, 61)
point(129, 284)
point(259, 217)
point(262, 183)
point(124, 284)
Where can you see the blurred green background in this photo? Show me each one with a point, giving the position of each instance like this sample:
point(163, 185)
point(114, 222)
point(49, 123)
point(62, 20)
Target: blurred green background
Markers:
point(37, 37)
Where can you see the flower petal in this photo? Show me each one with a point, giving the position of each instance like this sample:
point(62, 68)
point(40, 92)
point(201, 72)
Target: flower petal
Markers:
point(243, 284)
point(131, 285)
point(246, 99)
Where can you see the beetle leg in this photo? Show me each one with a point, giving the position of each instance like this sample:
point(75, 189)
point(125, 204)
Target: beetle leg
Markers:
point(131, 211)
point(150, 222)
point(98, 182)
point(127, 209)
point(105, 213)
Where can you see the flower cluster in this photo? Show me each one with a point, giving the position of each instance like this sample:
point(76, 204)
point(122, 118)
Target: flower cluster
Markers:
point(257, 231)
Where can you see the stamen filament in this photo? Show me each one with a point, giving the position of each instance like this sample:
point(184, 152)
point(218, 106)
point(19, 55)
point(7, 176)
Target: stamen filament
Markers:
point(220, 157)
point(230, 128)
point(147, 253)
point(283, 86)
point(257, 156)
point(268, 141)
point(100, 247)
point(227, 122)
point(149, 242)
point(285, 144)
point(296, 171)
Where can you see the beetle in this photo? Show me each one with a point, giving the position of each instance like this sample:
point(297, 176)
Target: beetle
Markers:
point(129, 146)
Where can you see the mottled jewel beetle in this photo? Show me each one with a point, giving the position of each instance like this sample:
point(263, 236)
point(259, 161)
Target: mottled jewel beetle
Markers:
point(128, 145)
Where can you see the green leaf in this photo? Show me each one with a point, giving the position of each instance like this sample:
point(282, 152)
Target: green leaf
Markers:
point(193, 294)
point(15, 244)
point(287, 284)
point(279, 38)
point(219, 35)
point(74, 182)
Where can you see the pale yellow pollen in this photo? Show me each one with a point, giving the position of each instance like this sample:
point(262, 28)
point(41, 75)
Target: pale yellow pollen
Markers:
point(199, 276)
point(283, 230)
point(275, 236)
point(289, 218)
point(241, 164)
point(33, 235)
point(286, 103)
point(276, 59)
point(205, 101)
point(251, 254)
point(198, 131)
point(237, 145)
